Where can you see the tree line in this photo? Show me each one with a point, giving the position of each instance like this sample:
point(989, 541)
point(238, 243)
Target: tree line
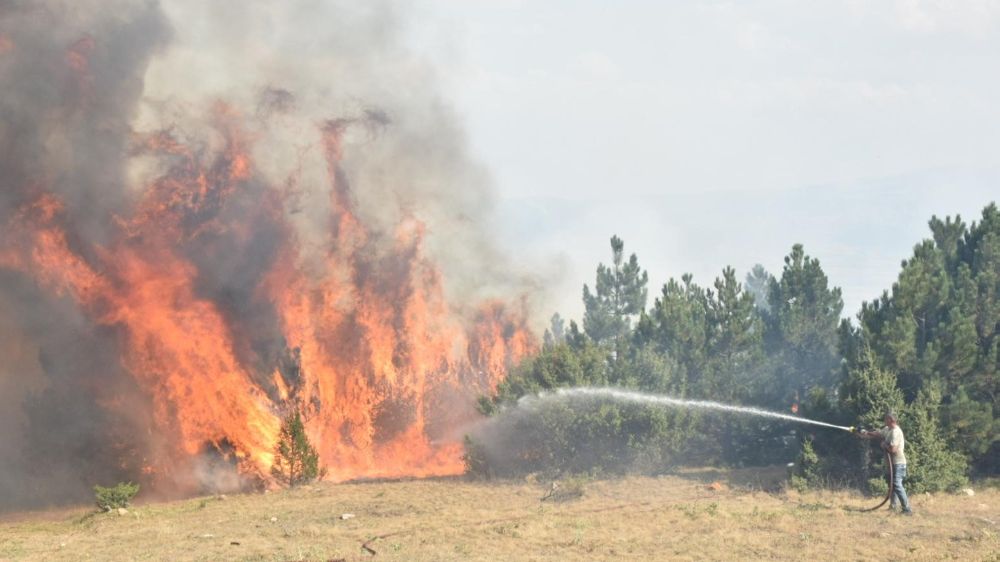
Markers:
point(927, 348)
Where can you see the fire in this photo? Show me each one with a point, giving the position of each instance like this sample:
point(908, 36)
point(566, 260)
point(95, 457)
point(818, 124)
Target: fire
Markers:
point(362, 340)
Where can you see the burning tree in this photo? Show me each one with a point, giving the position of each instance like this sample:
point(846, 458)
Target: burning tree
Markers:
point(189, 247)
point(295, 459)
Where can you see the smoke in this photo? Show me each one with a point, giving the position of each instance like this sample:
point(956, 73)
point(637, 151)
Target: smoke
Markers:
point(69, 100)
point(297, 64)
point(64, 123)
point(91, 85)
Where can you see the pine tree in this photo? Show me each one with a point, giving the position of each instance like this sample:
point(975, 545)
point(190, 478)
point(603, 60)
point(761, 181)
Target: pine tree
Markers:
point(868, 391)
point(931, 464)
point(556, 332)
point(619, 295)
point(804, 319)
point(677, 325)
point(734, 330)
point(806, 472)
point(939, 326)
point(758, 283)
point(968, 424)
point(295, 460)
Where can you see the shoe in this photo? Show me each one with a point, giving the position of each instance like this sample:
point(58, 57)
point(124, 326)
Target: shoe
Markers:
point(907, 512)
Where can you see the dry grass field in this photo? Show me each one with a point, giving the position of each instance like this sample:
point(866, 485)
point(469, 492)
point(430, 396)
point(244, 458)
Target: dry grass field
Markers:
point(696, 515)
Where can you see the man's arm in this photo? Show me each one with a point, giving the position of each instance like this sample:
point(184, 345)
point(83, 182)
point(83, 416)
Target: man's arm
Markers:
point(885, 444)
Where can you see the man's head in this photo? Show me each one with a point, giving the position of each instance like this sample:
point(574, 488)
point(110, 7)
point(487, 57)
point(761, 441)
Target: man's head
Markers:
point(890, 418)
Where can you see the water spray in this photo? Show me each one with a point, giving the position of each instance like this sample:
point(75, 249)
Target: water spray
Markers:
point(663, 400)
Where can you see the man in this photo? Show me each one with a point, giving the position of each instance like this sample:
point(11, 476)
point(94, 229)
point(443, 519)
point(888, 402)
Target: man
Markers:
point(892, 440)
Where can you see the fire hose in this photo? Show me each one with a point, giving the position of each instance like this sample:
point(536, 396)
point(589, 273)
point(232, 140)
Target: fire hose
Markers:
point(888, 492)
point(889, 473)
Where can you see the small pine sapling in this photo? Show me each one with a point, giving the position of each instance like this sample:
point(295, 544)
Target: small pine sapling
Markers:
point(296, 460)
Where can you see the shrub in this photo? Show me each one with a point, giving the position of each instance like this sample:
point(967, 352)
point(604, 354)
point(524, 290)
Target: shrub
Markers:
point(119, 495)
point(569, 489)
point(577, 435)
point(476, 463)
point(798, 483)
point(296, 460)
point(878, 486)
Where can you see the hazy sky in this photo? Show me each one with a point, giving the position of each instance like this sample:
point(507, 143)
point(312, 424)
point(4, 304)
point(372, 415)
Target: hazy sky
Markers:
point(714, 133)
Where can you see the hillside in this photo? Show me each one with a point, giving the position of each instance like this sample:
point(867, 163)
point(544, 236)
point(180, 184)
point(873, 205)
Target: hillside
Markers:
point(692, 515)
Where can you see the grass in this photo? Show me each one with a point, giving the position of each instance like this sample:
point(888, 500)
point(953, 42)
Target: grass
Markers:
point(677, 517)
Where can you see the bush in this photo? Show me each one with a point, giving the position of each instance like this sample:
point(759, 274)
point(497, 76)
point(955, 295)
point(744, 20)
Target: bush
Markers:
point(878, 486)
point(798, 483)
point(567, 490)
point(119, 495)
point(296, 460)
point(575, 435)
point(580, 435)
point(476, 463)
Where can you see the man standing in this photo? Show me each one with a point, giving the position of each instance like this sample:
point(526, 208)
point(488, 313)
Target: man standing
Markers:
point(892, 440)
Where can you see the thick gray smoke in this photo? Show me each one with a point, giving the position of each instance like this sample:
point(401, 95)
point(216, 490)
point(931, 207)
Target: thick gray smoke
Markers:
point(67, 136)
point(82, 76)
point(296, 64)
point(62, 129)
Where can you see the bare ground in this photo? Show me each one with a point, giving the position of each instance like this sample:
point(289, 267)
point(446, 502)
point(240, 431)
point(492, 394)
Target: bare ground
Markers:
point(695, 515)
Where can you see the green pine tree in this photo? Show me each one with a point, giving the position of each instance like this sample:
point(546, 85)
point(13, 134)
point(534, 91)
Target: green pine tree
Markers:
point(556, 332)
point(868, 391)
point(938, 327)
point(619, 296)
point(758, 283)
point(296, 461)
point(677, 325)
point(734, 330)
point(806, 471)
point(803, 323)
point(931, 464)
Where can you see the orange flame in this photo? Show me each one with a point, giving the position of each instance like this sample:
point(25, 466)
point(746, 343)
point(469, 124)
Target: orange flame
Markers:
point(376, 358)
